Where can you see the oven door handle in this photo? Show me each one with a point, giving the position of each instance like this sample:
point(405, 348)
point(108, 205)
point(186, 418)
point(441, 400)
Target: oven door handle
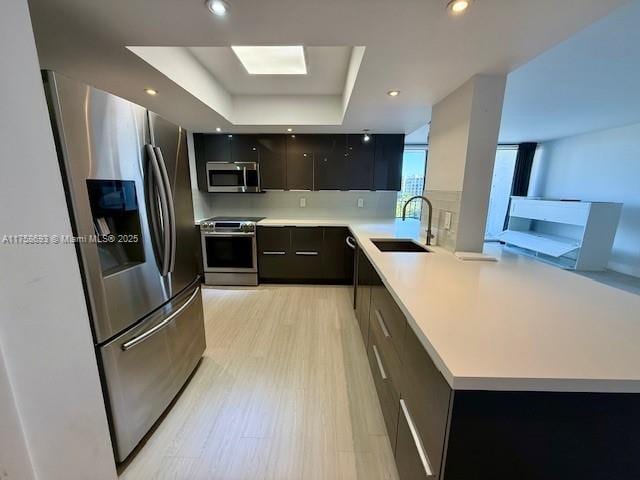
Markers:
point(228, 234)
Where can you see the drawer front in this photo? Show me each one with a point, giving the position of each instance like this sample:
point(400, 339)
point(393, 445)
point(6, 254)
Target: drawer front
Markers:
point(411, 459)
point(388, 354)
point(389, 399)
point(427, 396)
point(274, 240)
point(363, 301)
point(307, 239)
point(387, 315)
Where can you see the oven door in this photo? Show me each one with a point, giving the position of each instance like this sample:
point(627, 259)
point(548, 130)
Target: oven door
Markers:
point(238, 177)
point(229, 252)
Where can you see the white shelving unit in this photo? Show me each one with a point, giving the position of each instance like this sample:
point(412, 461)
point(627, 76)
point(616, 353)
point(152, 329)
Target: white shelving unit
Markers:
point(571, 234)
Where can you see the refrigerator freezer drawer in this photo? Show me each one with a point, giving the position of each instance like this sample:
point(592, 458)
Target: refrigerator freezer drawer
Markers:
point(145, 368)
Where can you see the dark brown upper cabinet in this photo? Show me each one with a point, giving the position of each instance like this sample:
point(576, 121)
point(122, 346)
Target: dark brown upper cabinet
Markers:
point(273, 162)
point(300, 172)
point(308, 161)
point(209, 148)
point(244, 148)
point(387, 171)
point(330, 162)
point(359, 162)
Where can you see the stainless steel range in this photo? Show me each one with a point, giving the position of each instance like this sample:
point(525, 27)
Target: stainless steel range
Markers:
point(229, 250)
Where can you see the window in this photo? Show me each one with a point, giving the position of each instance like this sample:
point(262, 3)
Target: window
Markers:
point(500, 190)
point(414, 164)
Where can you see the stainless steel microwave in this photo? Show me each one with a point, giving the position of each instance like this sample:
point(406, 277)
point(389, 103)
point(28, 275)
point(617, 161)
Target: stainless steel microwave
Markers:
point(234, 177)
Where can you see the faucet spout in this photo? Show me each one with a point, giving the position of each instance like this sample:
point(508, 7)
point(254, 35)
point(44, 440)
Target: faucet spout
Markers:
point(428, 202)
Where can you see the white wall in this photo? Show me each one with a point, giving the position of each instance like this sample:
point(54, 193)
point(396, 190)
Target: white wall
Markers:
point(462, 149)
point(44, 326)
point(287, 204)
point(14, 455)
point(602, 166)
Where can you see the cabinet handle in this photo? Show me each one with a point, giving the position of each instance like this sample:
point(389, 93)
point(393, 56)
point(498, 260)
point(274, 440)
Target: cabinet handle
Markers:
point(351, 242)
point(307, 254)
point(383, 326)
point(274, 253)
point(383, 374)
point(416, 439)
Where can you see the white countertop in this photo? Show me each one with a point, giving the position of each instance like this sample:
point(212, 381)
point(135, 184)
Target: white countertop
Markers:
point(515, 324)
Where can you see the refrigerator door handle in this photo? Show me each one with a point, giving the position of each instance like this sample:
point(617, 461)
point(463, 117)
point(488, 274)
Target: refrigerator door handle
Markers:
point(164, 209)
point(152, 331)
point(170, 204)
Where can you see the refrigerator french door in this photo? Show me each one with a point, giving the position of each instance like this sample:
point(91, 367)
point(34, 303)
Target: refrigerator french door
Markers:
point(126, 175)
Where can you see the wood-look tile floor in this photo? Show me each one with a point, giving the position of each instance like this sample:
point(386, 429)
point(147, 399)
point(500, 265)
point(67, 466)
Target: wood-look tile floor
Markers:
point(284, 391)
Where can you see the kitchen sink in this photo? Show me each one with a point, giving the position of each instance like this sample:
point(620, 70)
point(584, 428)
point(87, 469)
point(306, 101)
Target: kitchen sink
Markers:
point(398, 245)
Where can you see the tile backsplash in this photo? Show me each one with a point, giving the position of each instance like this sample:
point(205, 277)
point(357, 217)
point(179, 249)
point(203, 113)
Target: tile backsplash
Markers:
point(444, 201)
point(276, 204)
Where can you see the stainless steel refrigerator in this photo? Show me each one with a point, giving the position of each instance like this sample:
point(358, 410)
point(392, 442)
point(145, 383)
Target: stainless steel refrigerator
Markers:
point(126, 175)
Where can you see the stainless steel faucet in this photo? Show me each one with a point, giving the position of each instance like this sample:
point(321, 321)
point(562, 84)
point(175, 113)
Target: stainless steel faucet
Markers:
point(404, 213)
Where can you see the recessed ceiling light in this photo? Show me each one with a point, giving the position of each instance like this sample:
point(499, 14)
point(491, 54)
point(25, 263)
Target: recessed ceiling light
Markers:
point(458, 6)
point(289, 129)
point(217, 7)
point(218, 129)
point(393, 93)
point(276, 60)
point(151, 91)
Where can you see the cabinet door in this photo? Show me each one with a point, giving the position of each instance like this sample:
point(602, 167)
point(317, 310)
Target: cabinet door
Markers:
point(359, 162)
point(209, 148)
point(330, 162)
point(244, 148)
point(273, 161)
point(300, 175)
point(274, 253)
point(387, 172)
point(338, 258)
point(366, 277)
point(307, 253)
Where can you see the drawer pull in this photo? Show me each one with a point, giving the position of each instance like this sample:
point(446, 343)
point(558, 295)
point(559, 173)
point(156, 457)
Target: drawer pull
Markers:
point(307, 254)
point(417, 440)
point(274, 253)
point(383, 326)
point(383, 374)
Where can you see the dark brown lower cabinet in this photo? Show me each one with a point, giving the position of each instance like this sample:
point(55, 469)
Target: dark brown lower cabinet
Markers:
point(366, 278)
point(440, 433)
point(304, 255)
point(274, 254)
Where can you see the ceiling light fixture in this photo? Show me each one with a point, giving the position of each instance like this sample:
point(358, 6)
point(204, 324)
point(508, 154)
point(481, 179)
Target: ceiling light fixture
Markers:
point(289, 129)
point(393, 93)
point(218, 129)
point(275, 60)
point(217, 7)
point(366, 137)
point(457, 7)
point(151, 91)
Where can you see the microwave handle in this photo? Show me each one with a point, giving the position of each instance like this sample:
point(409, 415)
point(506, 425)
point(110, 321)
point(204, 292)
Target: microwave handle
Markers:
point(244, 177)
